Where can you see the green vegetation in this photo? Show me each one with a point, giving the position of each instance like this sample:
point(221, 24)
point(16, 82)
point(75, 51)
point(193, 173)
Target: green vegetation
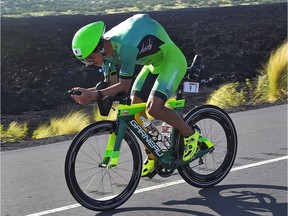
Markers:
point(270, 86)
point(24, 8)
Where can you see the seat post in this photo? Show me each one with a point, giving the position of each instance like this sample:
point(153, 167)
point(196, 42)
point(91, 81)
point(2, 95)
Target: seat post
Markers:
point(179, 95)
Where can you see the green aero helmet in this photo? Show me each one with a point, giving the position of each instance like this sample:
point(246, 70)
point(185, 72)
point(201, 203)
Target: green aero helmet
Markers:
point(86, 39)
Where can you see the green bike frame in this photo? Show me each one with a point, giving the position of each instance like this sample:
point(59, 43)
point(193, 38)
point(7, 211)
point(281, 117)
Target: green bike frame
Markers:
point(126, 119)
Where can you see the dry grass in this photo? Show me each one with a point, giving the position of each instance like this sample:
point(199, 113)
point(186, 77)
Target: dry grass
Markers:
point(228, 95)
point(272, 81)
point(70, 124)
point(14, 133)
point(43, 131)
point(270, 86)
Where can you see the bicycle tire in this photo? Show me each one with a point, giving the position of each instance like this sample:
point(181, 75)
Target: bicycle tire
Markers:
point(95, 187)
point(216, 125)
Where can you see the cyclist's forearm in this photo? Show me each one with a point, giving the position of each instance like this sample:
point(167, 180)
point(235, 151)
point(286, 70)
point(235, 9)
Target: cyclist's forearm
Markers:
point(114, 80)
point(121, 86)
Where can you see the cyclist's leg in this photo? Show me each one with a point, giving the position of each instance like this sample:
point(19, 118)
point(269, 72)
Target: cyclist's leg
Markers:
point(140, 93)
point(156, 108)
point(141, 88)
point(156, 102)
point(143, 84)
point(171, 72)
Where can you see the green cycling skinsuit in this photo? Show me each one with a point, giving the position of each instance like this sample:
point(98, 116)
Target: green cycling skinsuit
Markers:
point(143, 41)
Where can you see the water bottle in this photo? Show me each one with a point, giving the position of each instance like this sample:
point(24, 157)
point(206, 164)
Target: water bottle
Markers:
point(151, 129)
point(166, 131)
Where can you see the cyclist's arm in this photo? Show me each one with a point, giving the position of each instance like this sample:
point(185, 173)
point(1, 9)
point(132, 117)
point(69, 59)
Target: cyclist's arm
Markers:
point(113, 74)
point(91, 95)
point(121, 86)
point(128, 55)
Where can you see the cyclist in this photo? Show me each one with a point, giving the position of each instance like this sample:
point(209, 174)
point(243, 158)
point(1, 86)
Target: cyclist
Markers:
point(143, 41)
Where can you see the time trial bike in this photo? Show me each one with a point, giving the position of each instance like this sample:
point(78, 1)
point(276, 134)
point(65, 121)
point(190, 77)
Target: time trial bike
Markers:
point(104, 161)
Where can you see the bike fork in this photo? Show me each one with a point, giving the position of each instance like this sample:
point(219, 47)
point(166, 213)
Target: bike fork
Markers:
point(109, 150)
point(112, 152)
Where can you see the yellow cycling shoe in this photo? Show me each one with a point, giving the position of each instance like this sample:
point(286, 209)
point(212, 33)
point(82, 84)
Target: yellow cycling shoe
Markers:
point(148, 167)
point(191, 146)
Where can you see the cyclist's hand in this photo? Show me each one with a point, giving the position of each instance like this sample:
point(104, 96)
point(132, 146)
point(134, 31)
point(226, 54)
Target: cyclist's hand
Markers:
point(83, 96)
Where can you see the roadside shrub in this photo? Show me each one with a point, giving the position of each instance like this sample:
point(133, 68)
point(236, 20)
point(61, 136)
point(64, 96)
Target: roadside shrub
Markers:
point(228, 95)
point(43, 131)
point(14, 133)
point(272, 81)
point(270, 86)
point(70, 124)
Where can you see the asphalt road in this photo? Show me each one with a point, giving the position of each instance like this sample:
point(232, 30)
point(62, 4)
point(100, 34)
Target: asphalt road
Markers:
point(32, 179)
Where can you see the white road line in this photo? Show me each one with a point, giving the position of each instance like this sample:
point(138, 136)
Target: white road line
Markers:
point(55, 210)
point(259, 163)
point(159, 186)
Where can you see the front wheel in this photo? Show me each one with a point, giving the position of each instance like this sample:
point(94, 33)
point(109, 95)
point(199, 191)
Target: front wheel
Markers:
point(93, 185)
point(215, 125)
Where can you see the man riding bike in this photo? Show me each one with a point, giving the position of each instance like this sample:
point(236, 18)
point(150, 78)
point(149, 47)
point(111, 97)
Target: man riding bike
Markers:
point(143, 41)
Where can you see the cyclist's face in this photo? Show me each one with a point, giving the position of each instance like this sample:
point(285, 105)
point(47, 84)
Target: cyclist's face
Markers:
point(95, 58)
